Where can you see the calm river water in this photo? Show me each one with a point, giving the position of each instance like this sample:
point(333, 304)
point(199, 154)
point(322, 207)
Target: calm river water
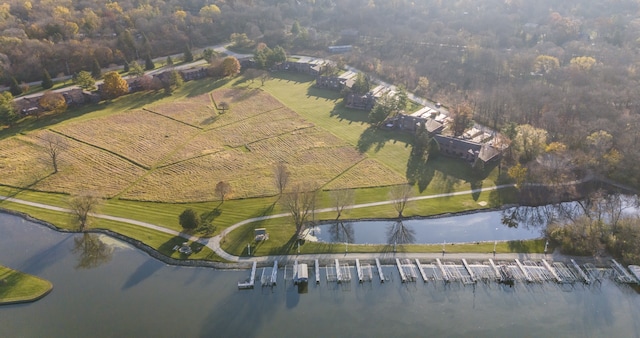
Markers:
point(131, 294)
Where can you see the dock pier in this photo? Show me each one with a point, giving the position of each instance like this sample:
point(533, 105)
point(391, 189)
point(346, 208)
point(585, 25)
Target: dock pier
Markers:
point(422, 273)
point(380, 273)
point(471, 274)
point(359, 269)
point(249, 283)
point(552, 271)
point(401, 270)
point(445, 275)
point(274, 273)
point(338, 271)
point(580, 272)
point(317, 272)
point(525, 272)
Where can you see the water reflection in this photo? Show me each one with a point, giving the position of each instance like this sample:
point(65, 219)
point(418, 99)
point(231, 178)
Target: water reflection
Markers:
point(341, 232)
point(399, 233)
point(91, 251)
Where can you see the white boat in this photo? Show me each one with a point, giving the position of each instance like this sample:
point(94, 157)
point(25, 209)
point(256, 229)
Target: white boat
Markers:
point(635, 271)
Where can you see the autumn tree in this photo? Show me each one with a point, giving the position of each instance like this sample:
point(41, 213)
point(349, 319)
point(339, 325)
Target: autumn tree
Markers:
point(400, 196)
point(462, 116)
point(53, 102)
point(361, 85)
point(230, 66)
point(544, 64)
point(280, 177)
point(47, 83)
point(84, 80)
point(114, 85)
point(529, 142)
point(135, 69)
point(223, 189)
point(82, 206)
point(518, 173)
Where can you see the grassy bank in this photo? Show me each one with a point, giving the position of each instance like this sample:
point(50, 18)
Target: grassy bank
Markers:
point(18, 287)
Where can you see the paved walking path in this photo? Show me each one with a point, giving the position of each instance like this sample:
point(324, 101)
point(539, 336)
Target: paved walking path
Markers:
point(214, 242)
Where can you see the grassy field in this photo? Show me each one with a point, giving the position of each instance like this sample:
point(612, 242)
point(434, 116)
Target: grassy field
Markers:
point(160, 154)
point(18, 287)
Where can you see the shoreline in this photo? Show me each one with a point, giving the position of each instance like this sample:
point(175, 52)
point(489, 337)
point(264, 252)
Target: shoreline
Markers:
point(263, 261)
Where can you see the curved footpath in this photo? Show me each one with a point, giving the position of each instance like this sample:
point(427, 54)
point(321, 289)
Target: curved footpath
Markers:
point(214, 242)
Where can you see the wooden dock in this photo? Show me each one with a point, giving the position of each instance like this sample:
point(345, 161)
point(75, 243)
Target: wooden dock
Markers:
point(338, 271)
point(380, 273)
point(359, 269)
point(422, 273)
point(401, 270)
point(317, 272)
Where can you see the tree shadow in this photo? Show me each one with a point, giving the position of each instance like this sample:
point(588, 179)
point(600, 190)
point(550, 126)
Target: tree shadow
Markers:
point(352, 115)
point(521, 246)
point(322, 93)
point(292, 77)
point(248, 231)
point(144, 271)
point(419, 169)
point(211, 215)
point(27, 187)
point(369, 138)
point(166, 248)
point(199, 87)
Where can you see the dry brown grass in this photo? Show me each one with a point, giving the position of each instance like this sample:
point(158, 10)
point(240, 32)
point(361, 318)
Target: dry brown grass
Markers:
point(81, 167)
point(197, 111)
point(175, 152)
point(140, 136)
point(367, 173)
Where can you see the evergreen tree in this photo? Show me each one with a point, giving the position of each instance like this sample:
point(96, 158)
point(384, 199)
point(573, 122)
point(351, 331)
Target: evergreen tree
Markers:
point(96, 70)
point(7, 109)
point(47, 83)
point(148, 63)
point(15, 87)
point(188, 56)
point(126, 67)
point(169, 61)
point(295, 29)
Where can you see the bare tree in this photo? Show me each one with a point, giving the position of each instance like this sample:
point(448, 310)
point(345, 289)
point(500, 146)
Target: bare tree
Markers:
point(398, 233)
point(342, 198)
point(54, 146)
point(223, 106)
point(299, 201)
point(81, 207)
point(264, 77)
point(223, 189)
point(400, 194)
point(280, 177)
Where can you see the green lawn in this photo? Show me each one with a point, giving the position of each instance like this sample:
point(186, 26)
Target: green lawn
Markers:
point(18, 287)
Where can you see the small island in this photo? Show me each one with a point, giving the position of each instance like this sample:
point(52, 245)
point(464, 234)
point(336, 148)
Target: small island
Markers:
point(18, 287)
